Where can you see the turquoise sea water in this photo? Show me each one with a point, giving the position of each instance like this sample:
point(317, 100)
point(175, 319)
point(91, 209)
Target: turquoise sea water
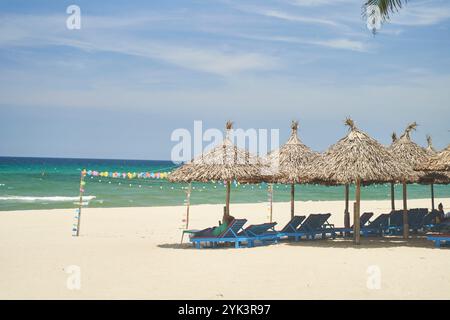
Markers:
point(43, 183)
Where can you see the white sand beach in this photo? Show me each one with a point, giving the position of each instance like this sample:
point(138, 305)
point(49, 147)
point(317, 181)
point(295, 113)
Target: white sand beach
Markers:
point(135, 253)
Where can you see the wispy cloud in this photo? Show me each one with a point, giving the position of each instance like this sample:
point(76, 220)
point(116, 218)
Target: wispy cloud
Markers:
point(334, 43)
point(282, 15)
point(107, 35)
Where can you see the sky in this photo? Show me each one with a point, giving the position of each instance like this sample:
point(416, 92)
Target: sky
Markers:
point(137, 70)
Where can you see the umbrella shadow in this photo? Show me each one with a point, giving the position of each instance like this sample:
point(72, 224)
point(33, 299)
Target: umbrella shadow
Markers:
point(366, 243)
point(343, 243)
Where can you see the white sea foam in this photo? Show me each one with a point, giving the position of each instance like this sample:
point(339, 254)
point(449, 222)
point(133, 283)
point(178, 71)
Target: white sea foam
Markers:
point(40, 199)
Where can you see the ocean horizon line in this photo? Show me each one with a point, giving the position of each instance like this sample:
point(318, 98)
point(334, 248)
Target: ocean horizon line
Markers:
point(82, 158)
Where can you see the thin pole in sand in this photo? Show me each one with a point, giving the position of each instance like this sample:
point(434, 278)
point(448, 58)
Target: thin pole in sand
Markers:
point(292, 199)
point(346, 212)
point(432, 196)
point(82, 183)
point(392, 196)
point(270, 189)
point(188, 205)
point(405, 212)
point(356, 211)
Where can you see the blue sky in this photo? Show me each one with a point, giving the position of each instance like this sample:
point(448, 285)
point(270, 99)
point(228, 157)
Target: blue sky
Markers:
point(136, 71)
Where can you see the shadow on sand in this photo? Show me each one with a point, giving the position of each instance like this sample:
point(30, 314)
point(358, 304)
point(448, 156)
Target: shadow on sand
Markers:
point(366, 243)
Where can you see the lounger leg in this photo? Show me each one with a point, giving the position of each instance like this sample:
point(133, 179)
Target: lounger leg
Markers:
point(197, 245)
point(438, 243)
point(236, 244)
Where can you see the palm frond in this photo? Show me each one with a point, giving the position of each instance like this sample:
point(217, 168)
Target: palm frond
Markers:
point(387, 7)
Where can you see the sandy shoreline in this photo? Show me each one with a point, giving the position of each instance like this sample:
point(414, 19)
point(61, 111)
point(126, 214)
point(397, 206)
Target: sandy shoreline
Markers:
point(135, 253)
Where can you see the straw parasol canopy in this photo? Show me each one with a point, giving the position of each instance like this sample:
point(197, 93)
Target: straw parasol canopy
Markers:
point(439, 162)
point(225, 162)
point(357, 158)
point(408, 152)
point(290, 162)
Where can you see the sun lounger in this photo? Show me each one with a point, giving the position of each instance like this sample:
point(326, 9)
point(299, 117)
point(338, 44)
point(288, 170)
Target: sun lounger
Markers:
point(395, 222)
point(416, 220)
point(439, 239)
point(377, 226)
point(262, 232)
point(231, 234)
point(300, 227)
point(363, 220)
point(290, 229)
point(316, 224)
point(429, 221)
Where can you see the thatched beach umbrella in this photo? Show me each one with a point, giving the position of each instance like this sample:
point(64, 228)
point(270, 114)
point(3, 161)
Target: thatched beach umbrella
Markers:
point(290, 162)
point(357, 158)
point(410, 154)
point(413, 154)
point(225, 162)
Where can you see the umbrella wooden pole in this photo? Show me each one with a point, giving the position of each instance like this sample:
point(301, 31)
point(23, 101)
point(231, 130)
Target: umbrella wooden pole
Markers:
point(405, 213)
point(188, 204)
point(270, 202)
point(392, 196)
point(356, 210)
point(346, 212)
point(292, 199)
point(432, 196)
point(227, 213)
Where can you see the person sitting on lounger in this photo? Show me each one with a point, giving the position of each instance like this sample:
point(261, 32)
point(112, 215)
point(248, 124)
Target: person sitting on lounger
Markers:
point(441, 216)
point(215, 231)
point(226, 221)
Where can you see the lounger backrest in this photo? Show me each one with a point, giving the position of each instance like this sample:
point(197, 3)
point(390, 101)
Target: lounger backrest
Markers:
point(314, 222)
point(396, 218)
point(258, 229)
point(233, 229)
point(292, 225)
point(365, 218)
point(430, 217)
point(381, 221)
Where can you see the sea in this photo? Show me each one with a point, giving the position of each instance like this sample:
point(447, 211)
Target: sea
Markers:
point(49, 183)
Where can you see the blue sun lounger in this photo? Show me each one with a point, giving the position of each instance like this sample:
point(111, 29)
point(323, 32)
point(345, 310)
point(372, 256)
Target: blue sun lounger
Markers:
point(363, 220)
point(429, 221)
point(320, 226)
point(231, 234)
point(260, 232)
point(439, 238)
point(377, 226)
point(313, 225)
point(395, 222)
point(290, 229)
point(416, 220)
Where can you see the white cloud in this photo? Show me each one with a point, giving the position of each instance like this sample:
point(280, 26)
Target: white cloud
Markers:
point(334, 43)
point(278, 14)
point(106, 34)
point(316, 3)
